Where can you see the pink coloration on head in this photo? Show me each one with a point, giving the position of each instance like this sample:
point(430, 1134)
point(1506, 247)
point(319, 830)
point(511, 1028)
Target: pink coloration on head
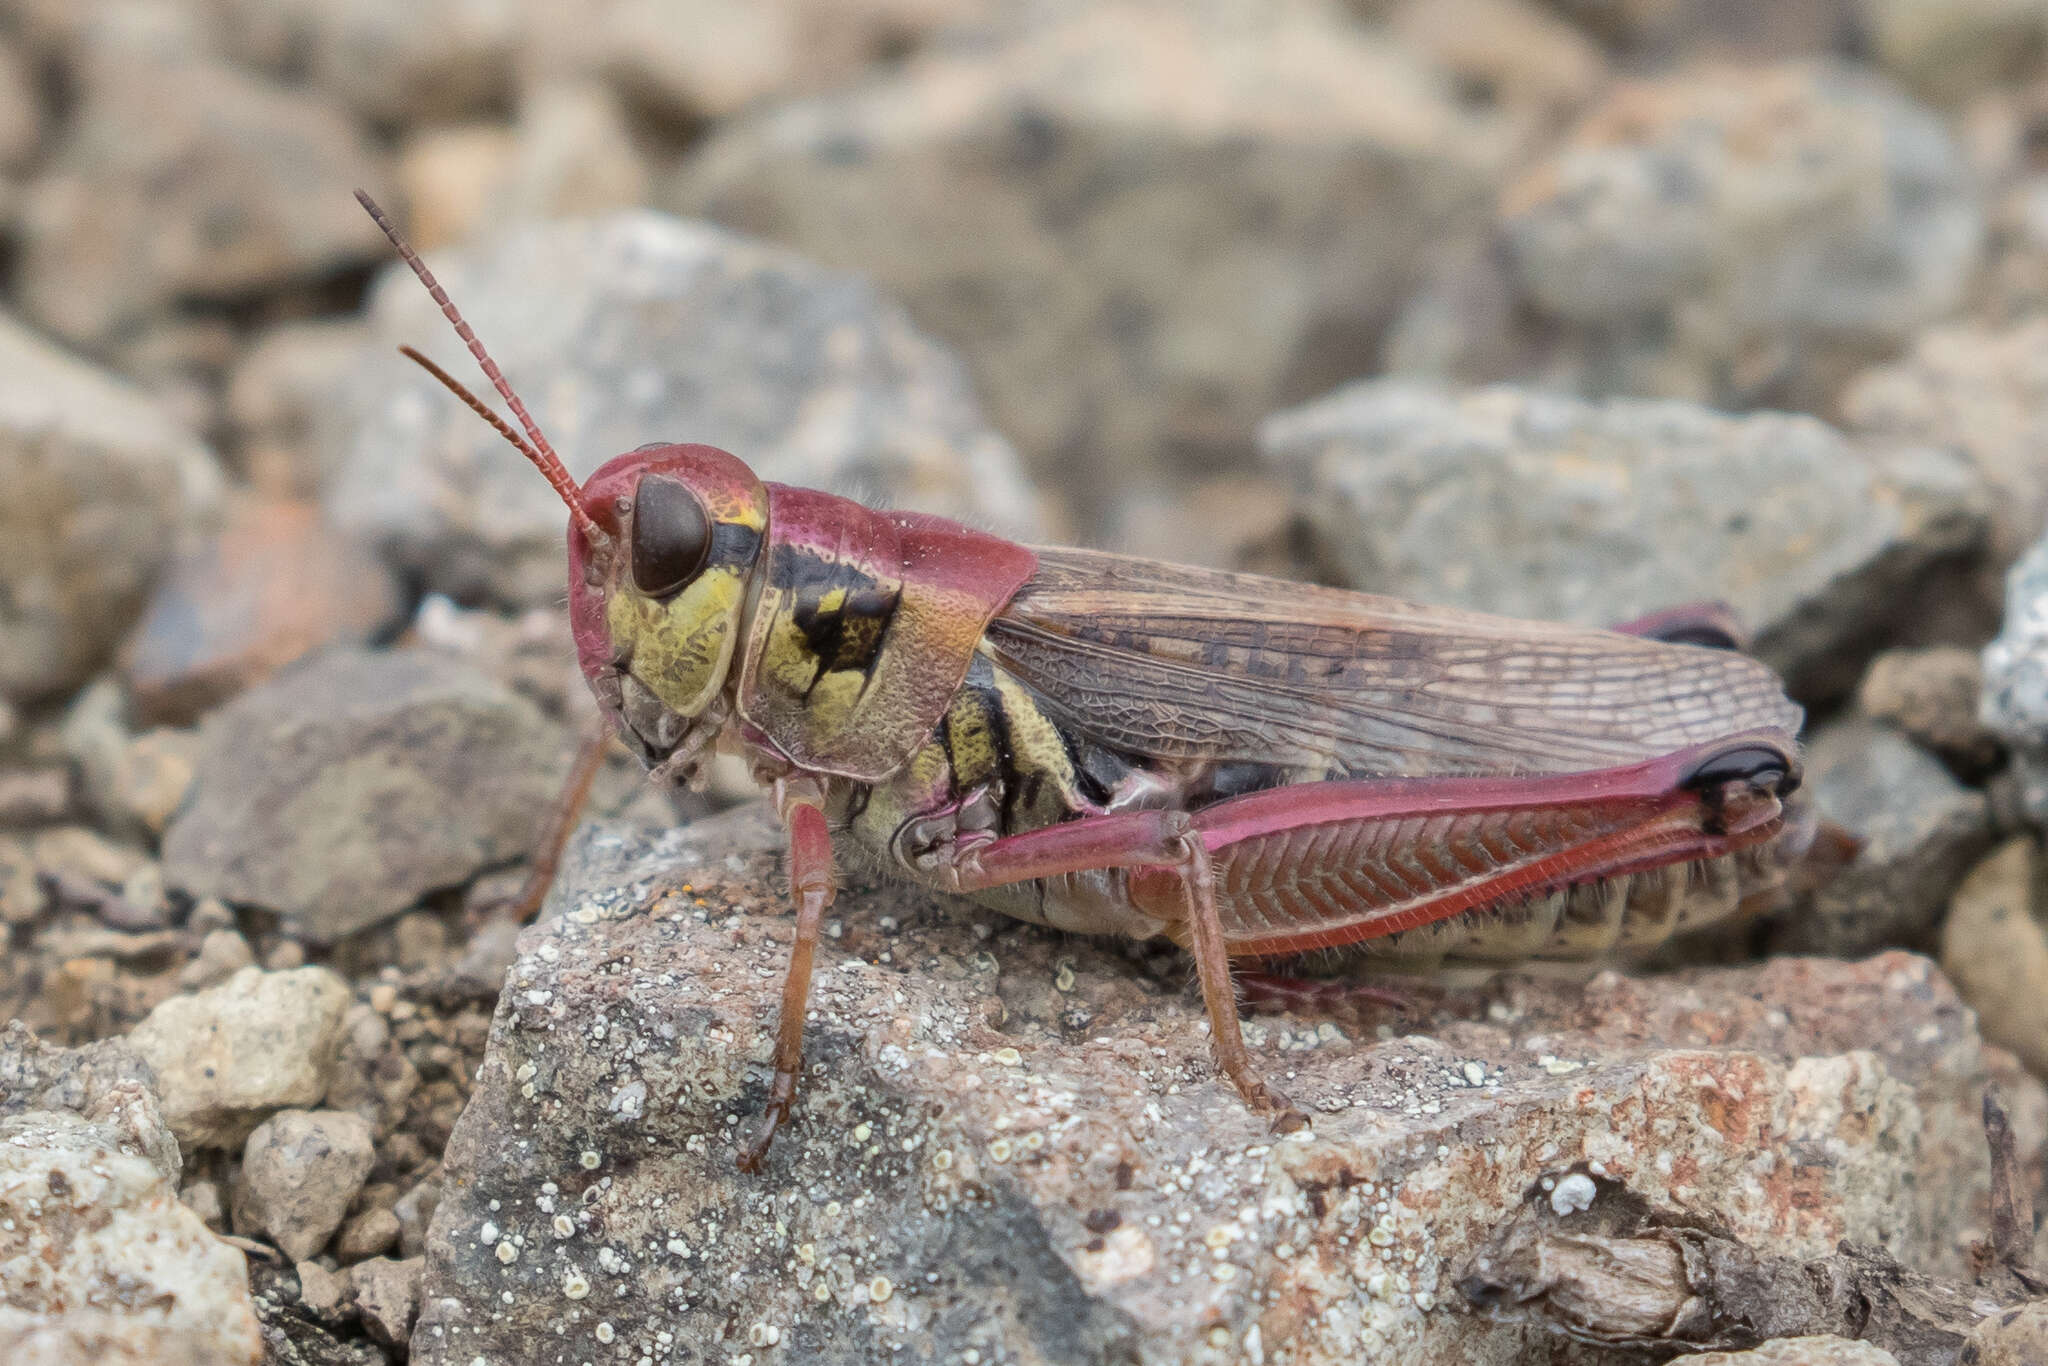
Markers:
point(724, 485)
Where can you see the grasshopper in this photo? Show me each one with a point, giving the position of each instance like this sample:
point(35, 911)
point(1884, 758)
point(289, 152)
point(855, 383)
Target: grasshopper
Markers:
point(1251, 768)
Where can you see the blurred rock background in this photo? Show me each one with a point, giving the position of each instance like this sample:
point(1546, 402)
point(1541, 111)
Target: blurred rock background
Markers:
point(1578, 308)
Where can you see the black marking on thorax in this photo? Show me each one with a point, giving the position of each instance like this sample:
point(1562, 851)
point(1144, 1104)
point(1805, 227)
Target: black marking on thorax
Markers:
point(851, 632)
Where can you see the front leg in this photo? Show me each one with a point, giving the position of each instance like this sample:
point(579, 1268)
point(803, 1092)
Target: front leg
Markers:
point(1138, 839)
point(810, 884)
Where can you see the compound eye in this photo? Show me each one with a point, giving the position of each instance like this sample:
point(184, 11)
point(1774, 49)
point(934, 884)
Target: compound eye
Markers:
point(671, 536)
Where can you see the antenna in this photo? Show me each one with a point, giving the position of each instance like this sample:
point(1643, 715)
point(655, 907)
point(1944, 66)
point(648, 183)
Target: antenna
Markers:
point(539, 452)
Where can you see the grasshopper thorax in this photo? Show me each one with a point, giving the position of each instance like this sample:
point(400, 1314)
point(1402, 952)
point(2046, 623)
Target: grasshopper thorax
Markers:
point(657, 599)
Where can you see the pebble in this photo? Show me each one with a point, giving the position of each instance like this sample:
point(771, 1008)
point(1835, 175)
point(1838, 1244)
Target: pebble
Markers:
point(102, 483)
point(408, 772)
point(388, 1297)
point(228, 1056)
point(102, 1261)
point(369, 1234)
point(301, 1169)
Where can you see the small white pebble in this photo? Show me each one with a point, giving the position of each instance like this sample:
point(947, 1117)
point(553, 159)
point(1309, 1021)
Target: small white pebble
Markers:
point(1573, 1194)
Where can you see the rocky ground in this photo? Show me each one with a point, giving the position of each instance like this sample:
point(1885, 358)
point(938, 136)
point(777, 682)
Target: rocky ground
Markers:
point(1561, 309)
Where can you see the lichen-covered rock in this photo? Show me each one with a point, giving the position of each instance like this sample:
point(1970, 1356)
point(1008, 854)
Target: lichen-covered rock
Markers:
point(355, 782)
point(1921, 831)
point(1538, 505)
point(1201, 211)
point(107, 1082)
point(300, 1171)
point(225, 1058)
point(99, 1263)
point(1730, 233)
point(1014, 1144)
point(633, 329)
point(101, 484)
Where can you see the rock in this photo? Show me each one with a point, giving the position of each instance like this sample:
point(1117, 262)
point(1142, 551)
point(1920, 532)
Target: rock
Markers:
point(226, 1057)
point(133, 783)
point(203, 1199)
point(1511, 53)
point(373, 1077)
point(21, 114)
point(1921, 831)
point(1013, 1142)
point(301, 1170)
point(1809, 1351)
point(415, 1211)
point(1932, 696)
point(1949, 52)
point(23, 897)
point(688, 60)
point(34, 796)
point(222, 954)
point(272, 585)
point(99, 1263)
point(1979, 390)
point(1203, 211)
point(106, 1081)
point(100, 486)
point(572, 155)
point(1736, 234)
point(1996, 951)
point(575, 157)
point(380, 777)
point(2016, 1337)
point(387, 1296)
point(323, 1292)
point(1537, 505)
point(449, 176)
point(1758, 28)
point(639, 328)
point(277, 391)
point(262, 197)
point(391, 62)
point(293, 1333)
point(369, 1234)
point(2015, 702)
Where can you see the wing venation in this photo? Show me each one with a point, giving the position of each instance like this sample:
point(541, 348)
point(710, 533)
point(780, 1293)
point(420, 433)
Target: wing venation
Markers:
point(1182, 664)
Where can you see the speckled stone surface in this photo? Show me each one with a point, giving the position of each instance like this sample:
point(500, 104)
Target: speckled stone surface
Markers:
point(1011, 1145)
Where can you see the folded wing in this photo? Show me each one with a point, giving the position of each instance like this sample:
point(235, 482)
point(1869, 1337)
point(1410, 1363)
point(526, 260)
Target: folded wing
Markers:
point(1181, 664)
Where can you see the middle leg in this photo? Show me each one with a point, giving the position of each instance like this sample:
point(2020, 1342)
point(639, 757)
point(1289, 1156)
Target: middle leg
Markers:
point(1163, 840)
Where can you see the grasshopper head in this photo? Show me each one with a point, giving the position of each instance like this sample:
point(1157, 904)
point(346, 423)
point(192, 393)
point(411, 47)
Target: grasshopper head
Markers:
point(656, 598)
point(661, 542)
